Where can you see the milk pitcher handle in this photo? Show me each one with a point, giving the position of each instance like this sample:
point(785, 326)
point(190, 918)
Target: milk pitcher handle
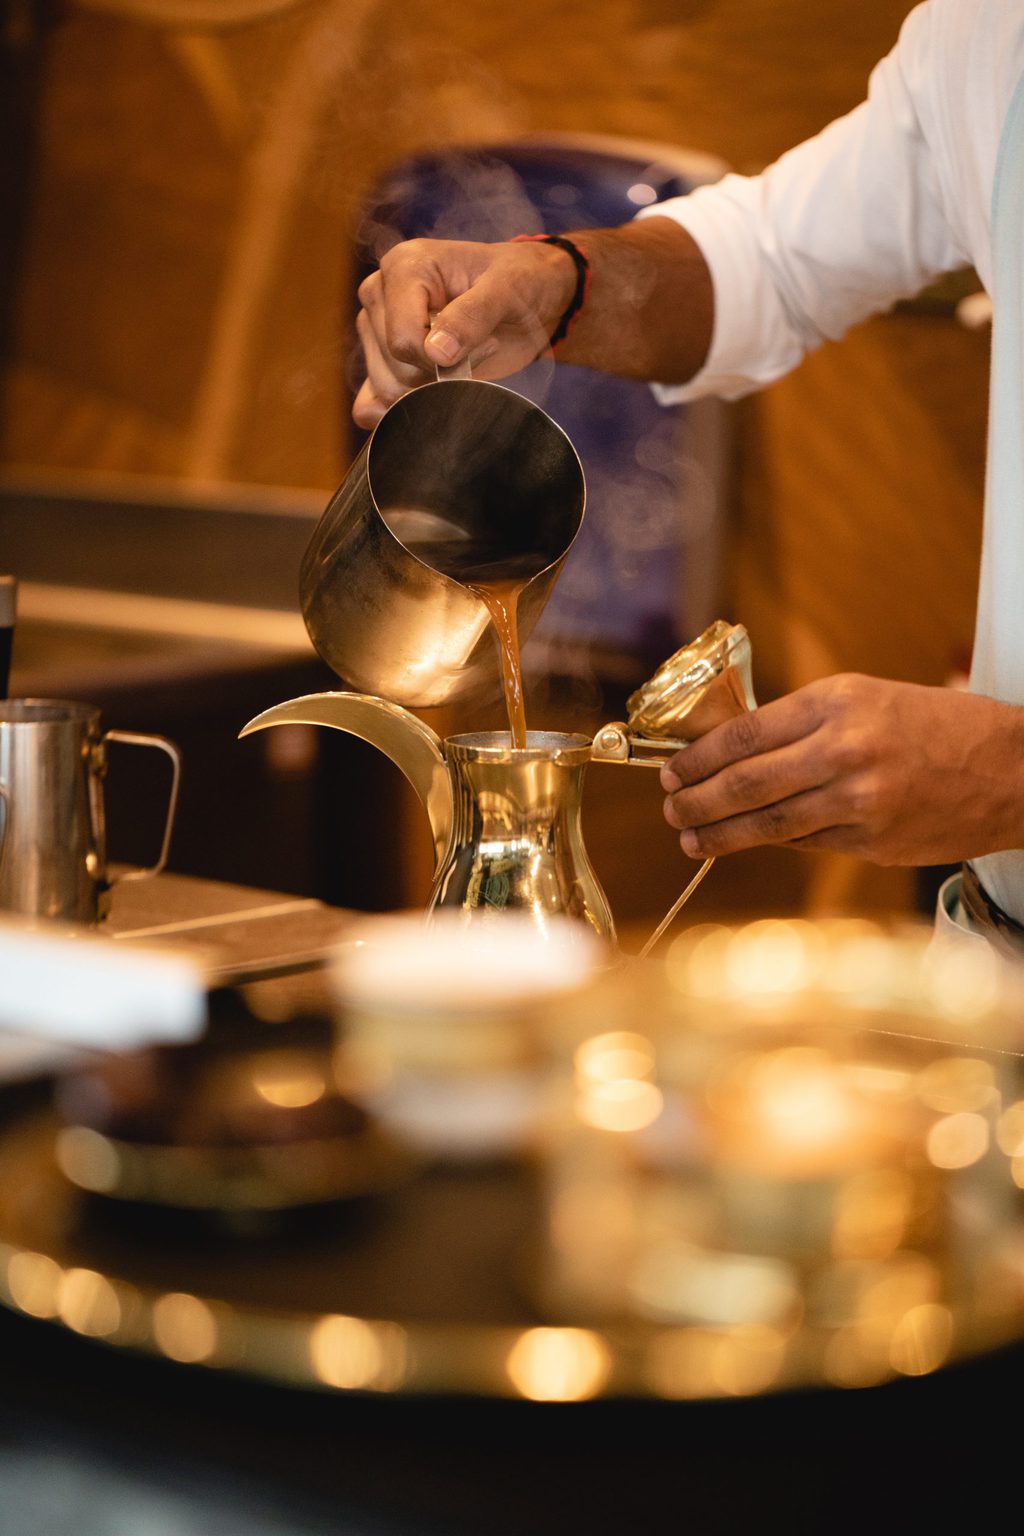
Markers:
point(460, 370)
point(161, 743)
point(6, 802)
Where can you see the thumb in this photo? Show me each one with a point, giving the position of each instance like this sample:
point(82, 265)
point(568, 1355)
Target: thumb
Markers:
point(466, 324)
point(443, 345)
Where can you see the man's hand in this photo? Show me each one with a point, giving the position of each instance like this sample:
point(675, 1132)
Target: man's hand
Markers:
point(893, 772)
point(649, 310)
point(434, 302)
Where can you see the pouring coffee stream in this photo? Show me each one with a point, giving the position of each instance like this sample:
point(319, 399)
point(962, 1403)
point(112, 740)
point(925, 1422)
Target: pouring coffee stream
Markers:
point(500, 596)
point(499, 584)
point(501, 599)
point(495, 577)
point(454, 521)
point(506, 822)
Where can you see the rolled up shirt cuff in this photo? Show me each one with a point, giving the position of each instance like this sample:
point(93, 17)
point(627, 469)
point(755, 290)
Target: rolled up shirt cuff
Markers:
point(752, 343)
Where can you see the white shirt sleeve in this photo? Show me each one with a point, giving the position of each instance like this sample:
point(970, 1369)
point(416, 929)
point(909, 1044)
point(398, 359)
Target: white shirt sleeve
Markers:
point(839, 228)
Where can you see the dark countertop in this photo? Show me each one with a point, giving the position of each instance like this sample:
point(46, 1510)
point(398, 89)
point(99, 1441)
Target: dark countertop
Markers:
point(89, 1441)
point(243, 934)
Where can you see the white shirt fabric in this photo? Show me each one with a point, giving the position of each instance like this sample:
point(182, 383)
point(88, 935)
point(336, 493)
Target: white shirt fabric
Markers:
point(870, 211)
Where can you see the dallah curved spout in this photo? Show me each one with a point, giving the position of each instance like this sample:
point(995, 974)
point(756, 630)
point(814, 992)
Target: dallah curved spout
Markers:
point(412, 746)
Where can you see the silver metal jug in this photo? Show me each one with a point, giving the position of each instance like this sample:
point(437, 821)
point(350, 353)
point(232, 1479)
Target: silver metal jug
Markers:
point(506, 821)
point(53, 760)
point(460, 480)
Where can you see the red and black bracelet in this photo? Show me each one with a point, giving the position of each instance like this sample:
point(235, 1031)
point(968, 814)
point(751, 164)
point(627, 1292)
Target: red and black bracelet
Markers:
point(579, 297)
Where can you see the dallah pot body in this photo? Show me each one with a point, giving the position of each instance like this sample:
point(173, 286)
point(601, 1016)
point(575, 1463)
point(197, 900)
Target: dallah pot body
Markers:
point(459, 475)
point(505, 820)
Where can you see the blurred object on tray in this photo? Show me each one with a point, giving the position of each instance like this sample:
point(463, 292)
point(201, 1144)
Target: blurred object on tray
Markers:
point(794, 1148)
point(247, 1119)
point(65, 990)
point(143, 976)
point(441, 1022)
point(786, 1155)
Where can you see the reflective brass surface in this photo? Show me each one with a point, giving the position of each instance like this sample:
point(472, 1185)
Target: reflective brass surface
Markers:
point(789, 1155)
point(795, 1146)
point(506, 823)
point(516, 840)
point(701, 685)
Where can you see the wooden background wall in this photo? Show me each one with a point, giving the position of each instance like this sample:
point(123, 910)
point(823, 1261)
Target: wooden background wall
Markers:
point(196, 173)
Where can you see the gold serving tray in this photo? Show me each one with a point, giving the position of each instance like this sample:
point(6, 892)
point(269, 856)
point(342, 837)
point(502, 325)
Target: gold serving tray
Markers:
point(428, 1288)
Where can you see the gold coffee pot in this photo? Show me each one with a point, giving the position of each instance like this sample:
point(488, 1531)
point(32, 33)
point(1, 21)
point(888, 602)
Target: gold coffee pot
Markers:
point(506, 821)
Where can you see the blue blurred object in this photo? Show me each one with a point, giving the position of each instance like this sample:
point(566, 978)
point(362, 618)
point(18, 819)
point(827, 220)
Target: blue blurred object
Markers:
point(643, 575)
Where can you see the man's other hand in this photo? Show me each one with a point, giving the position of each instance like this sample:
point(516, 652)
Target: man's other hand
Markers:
point(893, 772)
point(433, 303)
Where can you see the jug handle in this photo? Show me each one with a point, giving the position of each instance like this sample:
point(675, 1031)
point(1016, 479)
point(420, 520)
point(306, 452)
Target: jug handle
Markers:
point(410, 744)
point(161, 743)
point(460, 370)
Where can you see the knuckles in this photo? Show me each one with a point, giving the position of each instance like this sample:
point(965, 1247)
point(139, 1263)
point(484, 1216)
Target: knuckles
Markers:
point(412, 255)
point(369, 291)
point(747, 735)
point(863, 799)
point(747, 785)
point(847, 751)
point(774, 823)
point(844, 694)
point(407, 349)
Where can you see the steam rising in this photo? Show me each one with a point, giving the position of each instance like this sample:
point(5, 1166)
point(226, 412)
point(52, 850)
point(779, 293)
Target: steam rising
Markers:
point(642, 576)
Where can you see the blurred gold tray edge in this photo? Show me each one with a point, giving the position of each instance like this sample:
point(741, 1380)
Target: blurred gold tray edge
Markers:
point(362, 1355)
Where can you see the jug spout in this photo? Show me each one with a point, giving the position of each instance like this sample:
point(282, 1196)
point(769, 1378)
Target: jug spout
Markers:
point(410, 744)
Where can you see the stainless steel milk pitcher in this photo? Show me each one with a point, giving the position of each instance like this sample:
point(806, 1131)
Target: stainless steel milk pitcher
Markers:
point(53, 761)
point(460, 480)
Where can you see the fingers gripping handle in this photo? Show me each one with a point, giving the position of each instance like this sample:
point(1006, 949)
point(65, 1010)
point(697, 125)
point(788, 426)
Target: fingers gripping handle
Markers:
point(460, 370)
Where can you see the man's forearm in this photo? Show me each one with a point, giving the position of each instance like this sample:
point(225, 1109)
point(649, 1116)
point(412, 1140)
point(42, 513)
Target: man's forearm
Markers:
point(648, 313)
point(650, 307)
